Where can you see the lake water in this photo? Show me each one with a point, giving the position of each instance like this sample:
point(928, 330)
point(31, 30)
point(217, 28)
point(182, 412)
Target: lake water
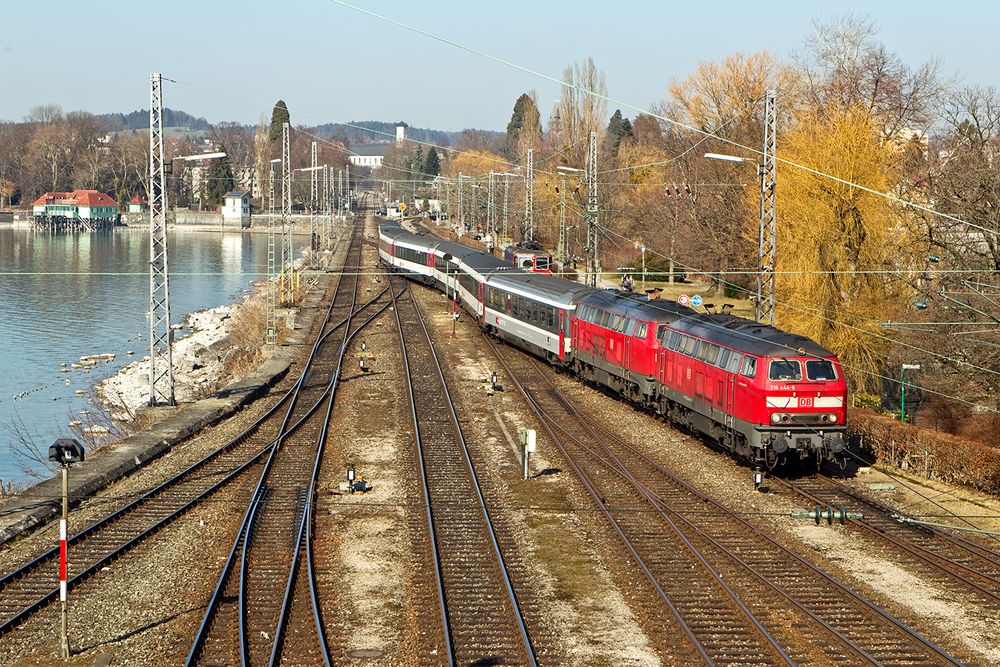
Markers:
point(65, 296)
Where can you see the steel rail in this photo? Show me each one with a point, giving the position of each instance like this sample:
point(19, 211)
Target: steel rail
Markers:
point(216, 598)
point(663, 509)
point(305, 522)
point(829, 579)
point(136, 505)
point(257, 499)
point(952, 568)
point(428, 512)
point(474, 479)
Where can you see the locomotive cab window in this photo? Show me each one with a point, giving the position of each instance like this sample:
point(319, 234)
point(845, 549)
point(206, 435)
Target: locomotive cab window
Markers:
point(785, 369)
point(749, 366)
point(820, 370)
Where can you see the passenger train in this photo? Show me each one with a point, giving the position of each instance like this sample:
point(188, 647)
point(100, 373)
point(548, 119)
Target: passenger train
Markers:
point(764, 394)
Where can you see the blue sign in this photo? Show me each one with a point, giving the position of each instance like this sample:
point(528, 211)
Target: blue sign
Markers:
point(696, 301)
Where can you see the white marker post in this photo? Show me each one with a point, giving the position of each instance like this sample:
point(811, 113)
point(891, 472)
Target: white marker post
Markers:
point(528, 444)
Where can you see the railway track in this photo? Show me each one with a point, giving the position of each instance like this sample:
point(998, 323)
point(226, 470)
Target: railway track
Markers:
point(737, 594)
point(31, 586)
point(479, 619)
point(261, 586)
point(956, 564)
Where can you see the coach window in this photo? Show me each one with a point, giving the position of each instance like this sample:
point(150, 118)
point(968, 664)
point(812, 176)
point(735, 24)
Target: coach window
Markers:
point(820, 370)
point(785, 369)
point(749, 366)
point(724, 357)
point(640, 330)
point(672, 340)
point(602, 318)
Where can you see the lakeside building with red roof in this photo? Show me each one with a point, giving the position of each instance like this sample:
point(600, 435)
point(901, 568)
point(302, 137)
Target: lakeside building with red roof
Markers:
point(75, 211)
point(76, 205)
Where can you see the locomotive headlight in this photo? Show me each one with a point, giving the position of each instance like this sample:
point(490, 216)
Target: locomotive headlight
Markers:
point(829, 418)
point(776, 418)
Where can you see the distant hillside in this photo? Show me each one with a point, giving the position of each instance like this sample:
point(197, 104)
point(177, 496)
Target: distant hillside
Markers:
point(355, 133)
point(139, 120)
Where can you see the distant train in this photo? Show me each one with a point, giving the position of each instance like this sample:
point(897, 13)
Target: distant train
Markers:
point(767, 395)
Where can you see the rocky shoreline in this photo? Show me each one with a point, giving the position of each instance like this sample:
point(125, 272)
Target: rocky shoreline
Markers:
point(200, 360)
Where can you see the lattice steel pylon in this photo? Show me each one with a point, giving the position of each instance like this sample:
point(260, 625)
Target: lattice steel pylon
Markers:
point(287, 259)
point(313, 203)
point(593, 230)
point(326, 208)
point(272, 274)
point(528, 233)
point(161, 367)
point(561, 248)
point(767, 232)
point(491, 211)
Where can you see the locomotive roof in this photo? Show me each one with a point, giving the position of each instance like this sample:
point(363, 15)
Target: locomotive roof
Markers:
point(546, 286)
point(637, 306)
point(749, 336)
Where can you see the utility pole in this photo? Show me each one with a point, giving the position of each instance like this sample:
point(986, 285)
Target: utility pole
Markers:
point(506, 193)
point(287, 288)
point(593, 232)
point(161, 367)
point(272, 274)
point(528, 233)
point(340, 190)
point(767, 232)
point(347, 186)
point(461, 209)
point(326, 207)
point(491, 222)
point(313, 192)
point(475, 205)
point(561, 250)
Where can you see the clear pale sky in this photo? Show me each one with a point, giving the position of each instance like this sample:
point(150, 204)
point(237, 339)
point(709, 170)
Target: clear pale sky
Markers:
point(234, 59)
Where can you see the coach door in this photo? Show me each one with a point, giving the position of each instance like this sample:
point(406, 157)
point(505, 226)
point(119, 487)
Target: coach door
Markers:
point(481, 294)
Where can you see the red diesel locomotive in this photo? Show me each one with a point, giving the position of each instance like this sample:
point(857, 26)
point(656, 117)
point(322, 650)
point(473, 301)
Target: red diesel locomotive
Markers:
point(762, 393)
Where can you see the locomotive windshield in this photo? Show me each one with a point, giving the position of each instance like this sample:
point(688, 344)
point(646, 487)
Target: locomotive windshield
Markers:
point(820, 370)
point(785, 369)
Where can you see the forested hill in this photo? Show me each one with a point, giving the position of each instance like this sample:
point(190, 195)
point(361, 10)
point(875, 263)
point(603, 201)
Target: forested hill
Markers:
point(355, 133)
point(139, 120)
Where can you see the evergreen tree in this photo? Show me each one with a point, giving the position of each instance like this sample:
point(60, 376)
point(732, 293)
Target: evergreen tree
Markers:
point(618, 128)
point(432, 165)
point(219, 180)
point(417, 164)
point(279, 116)
point(525, 127)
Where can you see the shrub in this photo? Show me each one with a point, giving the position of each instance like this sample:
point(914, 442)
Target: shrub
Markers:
point(952, 459)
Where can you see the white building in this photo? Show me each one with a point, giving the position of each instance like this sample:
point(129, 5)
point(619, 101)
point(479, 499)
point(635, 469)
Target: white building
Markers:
point(368, 155)
point(236, 208)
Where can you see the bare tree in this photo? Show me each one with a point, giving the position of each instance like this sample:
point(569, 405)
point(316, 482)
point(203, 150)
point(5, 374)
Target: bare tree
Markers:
point(844, 65)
